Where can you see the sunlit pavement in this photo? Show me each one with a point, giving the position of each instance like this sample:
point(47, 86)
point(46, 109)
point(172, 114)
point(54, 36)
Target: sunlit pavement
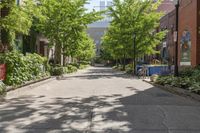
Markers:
point(98, 100)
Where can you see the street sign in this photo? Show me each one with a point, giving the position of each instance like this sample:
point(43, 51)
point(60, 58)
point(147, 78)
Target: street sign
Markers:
point(175, 36)
point(2, 71)
point(164, 44)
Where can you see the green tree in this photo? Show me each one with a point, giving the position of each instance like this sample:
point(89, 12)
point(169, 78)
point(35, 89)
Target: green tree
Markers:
point(63, 24)
point(132, 18)
point(18, 19)
point(86, 48)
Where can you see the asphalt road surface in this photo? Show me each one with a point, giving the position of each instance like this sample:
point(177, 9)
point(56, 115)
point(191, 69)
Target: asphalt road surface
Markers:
point(98, 100)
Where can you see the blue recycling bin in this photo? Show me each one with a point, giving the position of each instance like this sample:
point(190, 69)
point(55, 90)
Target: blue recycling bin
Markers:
point(151, 69)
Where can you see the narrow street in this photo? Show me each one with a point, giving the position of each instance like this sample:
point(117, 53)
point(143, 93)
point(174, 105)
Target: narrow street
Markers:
point(98, 100)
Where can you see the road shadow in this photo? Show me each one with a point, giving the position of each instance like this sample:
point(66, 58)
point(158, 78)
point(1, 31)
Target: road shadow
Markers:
point(149, 111)
point(99, 73)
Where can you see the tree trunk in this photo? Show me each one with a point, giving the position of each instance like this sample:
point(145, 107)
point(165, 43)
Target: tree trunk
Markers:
point(57, 58)
point(124, 62)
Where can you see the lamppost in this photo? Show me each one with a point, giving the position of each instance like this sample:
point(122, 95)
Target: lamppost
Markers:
point(177, 5)
point(134, 56)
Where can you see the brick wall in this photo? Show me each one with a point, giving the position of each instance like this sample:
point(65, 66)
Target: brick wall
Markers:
point(198, 33)
point(188, 21)
point(168, 22)
point(171, 43)
point(166, 6)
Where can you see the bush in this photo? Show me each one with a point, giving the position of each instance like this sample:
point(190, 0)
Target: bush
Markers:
point(195, 87)
point(118, 67)
point(186, 72)
point(129, 68)
point(38, 65)
point(84, 62)
point(71, 68)
point(57, 71)
point(74, 64)
point(175, 81)
point(81, 66)
point(98, 60)
point(2, 88)
point(189, 79)
point(20, 68)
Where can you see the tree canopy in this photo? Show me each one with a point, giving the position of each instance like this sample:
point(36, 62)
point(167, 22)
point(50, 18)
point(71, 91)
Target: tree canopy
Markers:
point(132, 19)
point(64, 24)
point(19, 17)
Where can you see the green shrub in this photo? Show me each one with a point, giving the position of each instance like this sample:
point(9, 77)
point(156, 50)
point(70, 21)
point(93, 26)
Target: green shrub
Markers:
point(37, 65)
point(71, 68)
point(2, 88)
point(195, 87)
point(129, 68)
point(188, 83)
point(65, 70)
point(186, 72)
point(196, 75)
point(118, 67)
point(83, 66)
point(74, 64)
point(20, 68)
point(84, 62)
point(98, 60)
point(57, 71)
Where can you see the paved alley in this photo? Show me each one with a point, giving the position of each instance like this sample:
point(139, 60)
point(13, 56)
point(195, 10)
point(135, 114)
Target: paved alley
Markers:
point(98, 100)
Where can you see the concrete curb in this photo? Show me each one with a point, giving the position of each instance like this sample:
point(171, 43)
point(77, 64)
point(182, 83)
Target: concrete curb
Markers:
point(14, 91)
point(177, 91)
point(36, 83)
point(31, 84)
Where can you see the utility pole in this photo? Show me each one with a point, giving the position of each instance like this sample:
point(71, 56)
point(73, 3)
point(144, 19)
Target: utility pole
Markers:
point(176, 71)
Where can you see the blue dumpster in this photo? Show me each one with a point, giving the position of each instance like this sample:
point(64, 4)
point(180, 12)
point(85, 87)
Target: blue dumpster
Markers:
point(158, 69)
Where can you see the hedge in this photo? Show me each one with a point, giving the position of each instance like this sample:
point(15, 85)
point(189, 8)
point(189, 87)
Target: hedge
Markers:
point(22, 68)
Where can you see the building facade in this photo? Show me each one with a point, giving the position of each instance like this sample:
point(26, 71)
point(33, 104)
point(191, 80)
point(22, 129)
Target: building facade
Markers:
point(167, 22)
point(3, 34)
point(166, 6)
point(167, 48)
point(189, 33)
point(97, 29)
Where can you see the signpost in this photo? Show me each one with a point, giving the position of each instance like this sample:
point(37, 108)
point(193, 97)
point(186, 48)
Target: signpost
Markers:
point(2, 72)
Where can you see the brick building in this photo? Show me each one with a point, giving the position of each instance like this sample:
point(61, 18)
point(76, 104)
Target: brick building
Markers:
point(188, 36)
point(167, 48)
point(166, 22)
point(166, 6)
point(189, 33)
